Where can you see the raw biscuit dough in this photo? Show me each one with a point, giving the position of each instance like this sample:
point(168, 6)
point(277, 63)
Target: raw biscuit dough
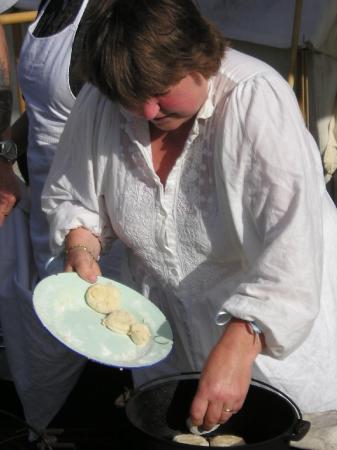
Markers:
point(119, 321)
point(191, 439)
point(103, 298)
point(226, 440)
point(199, 430)
point(139, 333)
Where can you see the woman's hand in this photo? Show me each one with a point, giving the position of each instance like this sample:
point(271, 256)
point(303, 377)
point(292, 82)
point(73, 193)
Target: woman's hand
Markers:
point(82, 250)
point(9, 185)
point(226, 376)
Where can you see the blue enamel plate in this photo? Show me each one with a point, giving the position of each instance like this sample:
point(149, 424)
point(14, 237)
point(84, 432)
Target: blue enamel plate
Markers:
point(59, 301)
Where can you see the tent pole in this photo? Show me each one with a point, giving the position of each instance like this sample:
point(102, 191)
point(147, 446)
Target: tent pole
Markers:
point(17, 17)
point(304, 86)
point(294, 42)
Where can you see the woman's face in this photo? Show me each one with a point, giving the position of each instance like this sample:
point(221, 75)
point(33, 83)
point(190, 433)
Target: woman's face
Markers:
point(170, 109)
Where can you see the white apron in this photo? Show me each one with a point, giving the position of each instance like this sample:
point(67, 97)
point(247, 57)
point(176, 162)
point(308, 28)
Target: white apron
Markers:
point(43, 72)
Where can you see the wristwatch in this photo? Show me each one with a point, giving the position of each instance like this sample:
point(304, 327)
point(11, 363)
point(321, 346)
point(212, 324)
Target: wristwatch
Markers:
point(8, 151)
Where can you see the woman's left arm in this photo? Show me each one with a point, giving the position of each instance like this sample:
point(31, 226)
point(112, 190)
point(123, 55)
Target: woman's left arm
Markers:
point(226, 375)
point(271, 187)
point(270, 184)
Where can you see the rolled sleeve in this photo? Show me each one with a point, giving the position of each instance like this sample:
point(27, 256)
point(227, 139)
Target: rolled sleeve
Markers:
point(72, 195)
point(275, 213)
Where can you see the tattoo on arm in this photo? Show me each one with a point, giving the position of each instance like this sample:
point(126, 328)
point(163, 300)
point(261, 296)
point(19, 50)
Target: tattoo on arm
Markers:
point(5, 98)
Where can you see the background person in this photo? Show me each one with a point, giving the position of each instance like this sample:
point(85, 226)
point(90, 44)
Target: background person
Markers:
point(9, 190)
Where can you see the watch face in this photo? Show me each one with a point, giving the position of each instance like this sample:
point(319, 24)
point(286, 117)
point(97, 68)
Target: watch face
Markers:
point(8, 150)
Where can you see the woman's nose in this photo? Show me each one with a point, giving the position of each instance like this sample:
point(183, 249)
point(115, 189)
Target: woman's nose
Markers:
point(150, 108)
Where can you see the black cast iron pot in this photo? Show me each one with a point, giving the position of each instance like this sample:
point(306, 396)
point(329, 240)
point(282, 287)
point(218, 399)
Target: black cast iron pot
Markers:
point(268, 420)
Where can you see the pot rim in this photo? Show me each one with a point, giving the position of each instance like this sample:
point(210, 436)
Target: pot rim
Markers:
point(196, 375)
point(286, 435)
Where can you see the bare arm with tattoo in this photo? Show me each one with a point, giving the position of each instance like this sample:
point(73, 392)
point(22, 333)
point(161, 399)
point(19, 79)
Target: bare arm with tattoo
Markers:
point(9, 189)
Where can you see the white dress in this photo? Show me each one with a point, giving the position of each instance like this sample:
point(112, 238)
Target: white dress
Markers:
point(243, 227)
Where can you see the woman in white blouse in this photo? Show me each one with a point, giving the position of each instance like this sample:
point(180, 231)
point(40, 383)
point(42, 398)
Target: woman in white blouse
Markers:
point(197, 158)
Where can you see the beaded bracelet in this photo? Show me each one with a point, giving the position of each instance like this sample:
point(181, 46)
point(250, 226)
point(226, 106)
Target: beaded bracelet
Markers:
point(82, 247)
point(255, 329)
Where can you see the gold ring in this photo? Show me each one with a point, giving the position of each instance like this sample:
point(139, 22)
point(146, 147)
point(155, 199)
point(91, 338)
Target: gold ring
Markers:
point(227, 410)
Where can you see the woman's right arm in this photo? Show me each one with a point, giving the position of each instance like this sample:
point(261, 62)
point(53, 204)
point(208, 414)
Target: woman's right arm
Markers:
point(72, 197)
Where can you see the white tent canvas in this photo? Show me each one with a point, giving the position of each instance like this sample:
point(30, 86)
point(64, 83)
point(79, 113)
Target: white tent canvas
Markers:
point(263, 28)
point(269, 22)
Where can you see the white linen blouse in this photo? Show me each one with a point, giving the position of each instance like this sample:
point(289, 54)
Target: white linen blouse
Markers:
point(243, 227)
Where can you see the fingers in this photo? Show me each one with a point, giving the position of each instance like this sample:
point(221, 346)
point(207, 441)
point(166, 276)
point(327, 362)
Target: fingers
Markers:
point(213, 397)
point(82, 263)
point(198, 410)
point(226, 414)
point(213, 415)
point(217, 397)
point(208, 409)
point(210, 414)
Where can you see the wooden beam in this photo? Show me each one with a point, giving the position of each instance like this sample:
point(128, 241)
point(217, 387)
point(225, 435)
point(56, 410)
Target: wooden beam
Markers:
point(17, 17)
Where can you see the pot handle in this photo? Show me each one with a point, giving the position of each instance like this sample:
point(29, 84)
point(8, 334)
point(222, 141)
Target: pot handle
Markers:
point(301, 426)
point(300, 429)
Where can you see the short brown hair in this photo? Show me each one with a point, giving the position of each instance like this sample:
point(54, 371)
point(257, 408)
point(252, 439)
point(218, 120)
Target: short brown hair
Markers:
point(135, 49)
